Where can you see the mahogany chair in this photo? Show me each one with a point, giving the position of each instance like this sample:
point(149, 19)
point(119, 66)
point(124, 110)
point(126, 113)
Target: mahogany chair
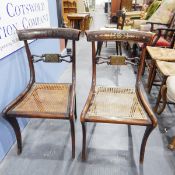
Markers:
point(117, 105)
point(166, 39)
point(45, 100)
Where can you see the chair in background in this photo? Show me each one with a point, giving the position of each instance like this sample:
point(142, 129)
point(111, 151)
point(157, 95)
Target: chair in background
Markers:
point(120, 20)
point(159, 28)
point(155, 20)
point(137, 18)
point(117, 105)
point(164, 38)
point(45, 100)
point(167, 94)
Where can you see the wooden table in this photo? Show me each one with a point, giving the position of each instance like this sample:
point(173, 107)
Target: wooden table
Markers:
point(79, 20)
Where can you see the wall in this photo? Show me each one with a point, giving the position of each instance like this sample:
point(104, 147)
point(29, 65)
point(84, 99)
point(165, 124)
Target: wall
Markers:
point(14, 76)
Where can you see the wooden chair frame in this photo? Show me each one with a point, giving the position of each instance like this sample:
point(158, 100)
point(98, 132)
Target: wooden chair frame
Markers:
point(162, 98)
point(168, 25)
point(120, 35)
point(152, 67)
point(11, 116)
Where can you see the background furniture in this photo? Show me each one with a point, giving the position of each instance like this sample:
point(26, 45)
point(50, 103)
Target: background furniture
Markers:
point(167, 91)
point(117, 105)
point(120, 18)
point(115, 6)
point(166, 9)
point(69, 6)
point(45, 100)
point(79, 21)
point(119, 5)
point(157, 56)
point(163, 36)
point(126, 4)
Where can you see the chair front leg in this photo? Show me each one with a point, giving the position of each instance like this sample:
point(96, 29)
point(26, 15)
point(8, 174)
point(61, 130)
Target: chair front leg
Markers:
point(171, 145)
point(151, 77)
point(84, 141)
point(116, 43)
point(72, 137)
point(14, 123)
point(120, 47)
point(148, 131)
point(162, 95)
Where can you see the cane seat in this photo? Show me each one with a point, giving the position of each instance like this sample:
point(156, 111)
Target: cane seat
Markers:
point(115, 104)
point(44, 98)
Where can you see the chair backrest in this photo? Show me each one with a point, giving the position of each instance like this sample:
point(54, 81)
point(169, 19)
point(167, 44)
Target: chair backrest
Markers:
point(168, 34)
point(120, 18)
point(48, 33)
point(118, 35)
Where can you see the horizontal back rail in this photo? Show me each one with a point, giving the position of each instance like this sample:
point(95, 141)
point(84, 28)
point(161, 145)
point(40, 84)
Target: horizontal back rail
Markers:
point(42, 33)
point(119, 35)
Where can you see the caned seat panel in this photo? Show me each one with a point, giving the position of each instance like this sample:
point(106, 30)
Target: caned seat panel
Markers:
point(44, 98)
point(166, 68)
point(162, 54)
point(113, 103)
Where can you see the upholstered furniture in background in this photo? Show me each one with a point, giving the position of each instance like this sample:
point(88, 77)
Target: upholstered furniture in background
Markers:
point(159, 57)
point(161, 18)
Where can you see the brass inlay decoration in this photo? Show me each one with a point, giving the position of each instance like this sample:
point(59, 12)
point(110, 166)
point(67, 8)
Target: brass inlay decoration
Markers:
point(51, 58)
point(117, 60)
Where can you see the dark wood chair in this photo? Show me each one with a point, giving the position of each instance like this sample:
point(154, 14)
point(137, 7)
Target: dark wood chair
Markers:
point(45, 100)
point(117, 105)
point(120, 20)
point(168, 25)
point(164, 38)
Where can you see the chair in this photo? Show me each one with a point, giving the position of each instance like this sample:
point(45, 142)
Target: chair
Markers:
point(45, 100)
point(117, 105)
point(120, 20)
point(163, 38)
point(155, 21)
point(137, 18)
point(163, 35)
point(167, 94)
